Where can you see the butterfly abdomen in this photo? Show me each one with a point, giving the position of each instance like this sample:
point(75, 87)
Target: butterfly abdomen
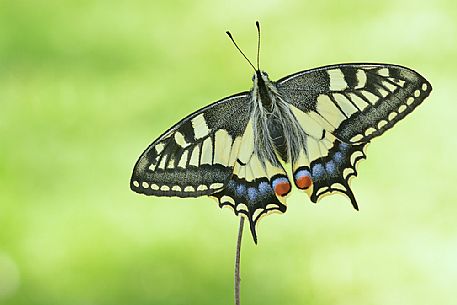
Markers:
point(276, 131)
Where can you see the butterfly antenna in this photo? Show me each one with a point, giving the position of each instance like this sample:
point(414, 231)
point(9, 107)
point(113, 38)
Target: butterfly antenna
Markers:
point(233, 40)
point(257, 24)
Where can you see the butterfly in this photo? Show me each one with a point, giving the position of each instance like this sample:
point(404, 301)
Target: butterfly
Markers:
point(316, 122)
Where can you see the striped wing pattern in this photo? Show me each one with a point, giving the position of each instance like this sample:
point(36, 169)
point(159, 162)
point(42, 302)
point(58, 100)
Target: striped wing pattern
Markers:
point(340, 109)
point(348, 105)
point(196, 156)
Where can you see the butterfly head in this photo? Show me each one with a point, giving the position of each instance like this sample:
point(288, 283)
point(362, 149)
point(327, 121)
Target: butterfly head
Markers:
point(259, 74)
point(260, 79)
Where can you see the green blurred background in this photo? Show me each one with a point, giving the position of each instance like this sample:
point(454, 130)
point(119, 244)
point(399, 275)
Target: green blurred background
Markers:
point(85, 86)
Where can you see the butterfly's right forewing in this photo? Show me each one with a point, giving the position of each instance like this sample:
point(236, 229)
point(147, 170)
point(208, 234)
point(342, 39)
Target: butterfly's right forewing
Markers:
point(196, 156)
point(356, 102)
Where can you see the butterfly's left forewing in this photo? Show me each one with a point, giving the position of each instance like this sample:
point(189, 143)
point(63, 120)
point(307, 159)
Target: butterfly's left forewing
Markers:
point(196, 156)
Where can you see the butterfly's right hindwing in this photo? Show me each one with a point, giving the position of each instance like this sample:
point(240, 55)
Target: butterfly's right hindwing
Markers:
point(196, 156)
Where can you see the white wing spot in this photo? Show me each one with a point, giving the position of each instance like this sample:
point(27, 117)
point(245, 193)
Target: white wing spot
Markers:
point(271, 206)
point(382, 123)
point(228, 199)
point(369, 131)
point(189, 189)
point(392, 116)
point(207, 151)
point(417, 93)
point(136, 183)
point(400, 82)
point(347, 172)
point(159, 148)
point(338, 186)
point(337, 82)
point(200, 127)
point(356, 138)
point(183, 161)
point(202, 187)
point(355, 156)
point(242, 207)
point(145, 185)
point(195, 156)
point(401, 108)
point(424, 87)
point(163, 162)
point(383, 72)
point(216, 185)
point(410, 100)
point(154, 186)
point(180, 140)
point(165, 188)
point(176, 188)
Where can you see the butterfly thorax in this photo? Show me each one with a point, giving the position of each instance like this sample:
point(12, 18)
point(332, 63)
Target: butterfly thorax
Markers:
point(277, 133)
point(263, 93)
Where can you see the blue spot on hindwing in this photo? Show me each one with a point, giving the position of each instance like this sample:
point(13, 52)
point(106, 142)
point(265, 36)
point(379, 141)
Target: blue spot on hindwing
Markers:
point(318, 170)
point(241, 190)
point(330, 167)
point(264, 187)
point(338, 157)
point(252, 193)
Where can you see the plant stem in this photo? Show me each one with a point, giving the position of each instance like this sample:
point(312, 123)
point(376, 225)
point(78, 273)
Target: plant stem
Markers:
point(237, 262)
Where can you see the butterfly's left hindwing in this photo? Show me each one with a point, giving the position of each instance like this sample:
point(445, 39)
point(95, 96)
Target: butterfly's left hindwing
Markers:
point(196, 156)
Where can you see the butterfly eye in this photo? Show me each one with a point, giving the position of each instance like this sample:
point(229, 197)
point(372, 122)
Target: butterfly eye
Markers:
point(253, 77)
point(265, 73)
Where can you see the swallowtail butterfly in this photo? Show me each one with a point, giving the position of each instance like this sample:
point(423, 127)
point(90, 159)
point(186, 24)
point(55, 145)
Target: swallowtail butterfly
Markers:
point(315, 122)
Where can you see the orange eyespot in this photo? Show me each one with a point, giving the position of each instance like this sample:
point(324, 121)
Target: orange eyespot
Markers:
point(303, 178)
point(304, 182)
point(282, 188)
